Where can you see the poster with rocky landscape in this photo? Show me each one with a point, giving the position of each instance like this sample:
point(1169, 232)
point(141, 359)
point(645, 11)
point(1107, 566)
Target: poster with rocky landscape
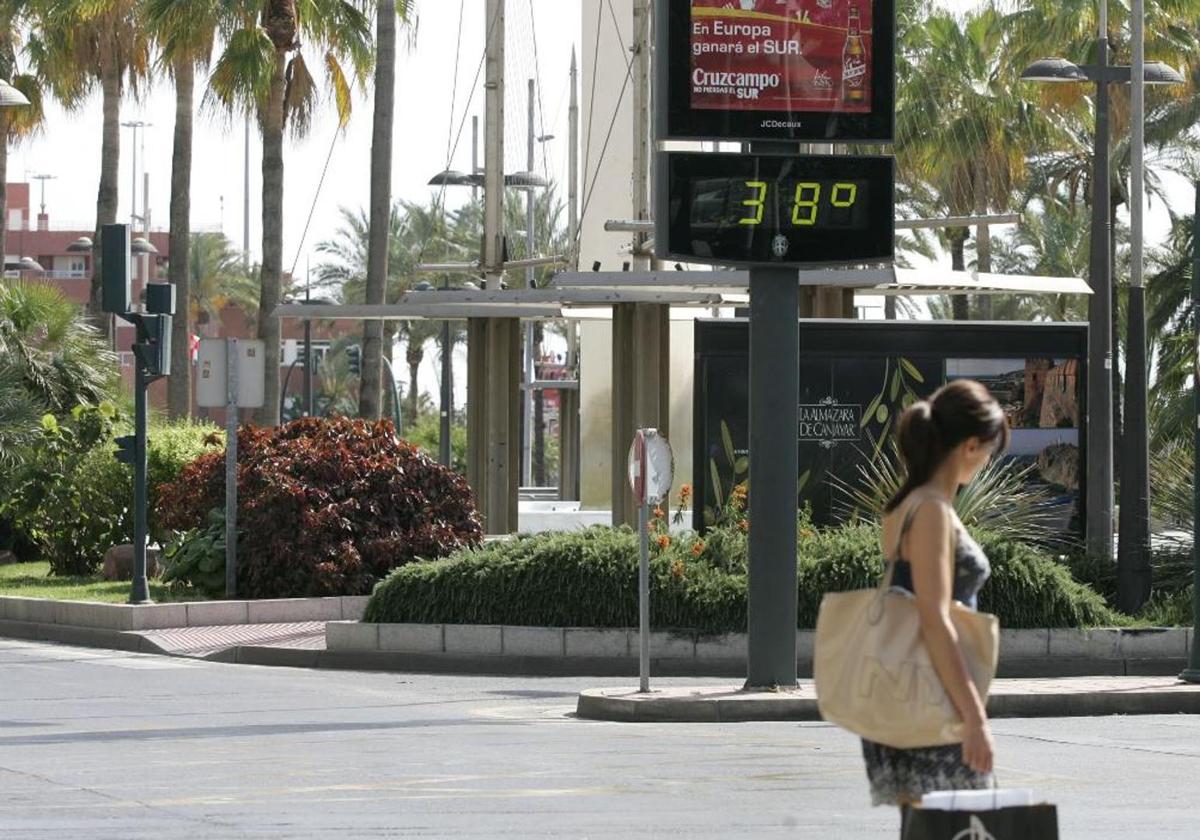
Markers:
point(1041, 397)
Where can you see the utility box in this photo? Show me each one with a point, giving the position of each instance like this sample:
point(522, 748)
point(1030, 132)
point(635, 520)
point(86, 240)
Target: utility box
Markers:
point(114, 252)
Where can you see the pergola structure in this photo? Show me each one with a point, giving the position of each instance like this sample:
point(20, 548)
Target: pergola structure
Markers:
point(640, 303)
point(493, 369)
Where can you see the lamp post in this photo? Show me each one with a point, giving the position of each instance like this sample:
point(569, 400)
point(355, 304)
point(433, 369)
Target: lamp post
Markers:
point(1099, 444)
point(10, 97)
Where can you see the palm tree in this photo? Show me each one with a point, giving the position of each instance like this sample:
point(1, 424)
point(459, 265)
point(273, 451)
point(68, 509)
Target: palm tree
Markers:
point(16, 124)
point(78, 46)
point(216, 279)
point(968, 90)
point(1068, 27)
point(379, 247)
point(264, 70)
point(415, 233)
point(59, 359)
point(186, 33)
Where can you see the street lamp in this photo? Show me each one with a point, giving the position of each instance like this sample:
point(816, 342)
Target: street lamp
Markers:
point(10, 97)
point(1100, 337)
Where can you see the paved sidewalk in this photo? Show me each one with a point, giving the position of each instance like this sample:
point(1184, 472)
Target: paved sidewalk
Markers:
point(201, 642)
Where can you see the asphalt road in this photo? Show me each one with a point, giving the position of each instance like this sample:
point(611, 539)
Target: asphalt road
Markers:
point(99, 744)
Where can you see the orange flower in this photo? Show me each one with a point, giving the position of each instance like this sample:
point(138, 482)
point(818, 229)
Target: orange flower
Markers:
point(807, 533)
point(663, 540)
point(685, 493)
point(658, 513)
point(697, 548)
point(744, 524)
point(677, 569)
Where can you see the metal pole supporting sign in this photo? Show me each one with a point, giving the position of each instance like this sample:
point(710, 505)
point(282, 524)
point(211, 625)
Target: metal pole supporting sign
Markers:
point(231, 446)
point(232, 375)
point(651, 472)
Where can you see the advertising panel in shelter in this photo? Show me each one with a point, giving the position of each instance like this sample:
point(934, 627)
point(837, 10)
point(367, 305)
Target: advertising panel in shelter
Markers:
point(852, 392)
point(782, 55)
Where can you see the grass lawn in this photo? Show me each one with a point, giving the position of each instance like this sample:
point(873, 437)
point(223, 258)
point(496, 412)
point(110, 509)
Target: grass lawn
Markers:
point(33, 580)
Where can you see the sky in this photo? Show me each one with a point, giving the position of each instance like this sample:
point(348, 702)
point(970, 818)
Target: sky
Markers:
point(69, 148)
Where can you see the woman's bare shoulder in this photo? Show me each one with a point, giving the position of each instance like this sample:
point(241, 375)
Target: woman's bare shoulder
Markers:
point(921, 510)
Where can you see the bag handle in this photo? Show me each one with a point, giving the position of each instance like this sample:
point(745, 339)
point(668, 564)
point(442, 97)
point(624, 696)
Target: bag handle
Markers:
point(889, 572)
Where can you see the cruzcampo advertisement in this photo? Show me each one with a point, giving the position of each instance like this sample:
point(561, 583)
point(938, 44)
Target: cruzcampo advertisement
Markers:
point(782, 55)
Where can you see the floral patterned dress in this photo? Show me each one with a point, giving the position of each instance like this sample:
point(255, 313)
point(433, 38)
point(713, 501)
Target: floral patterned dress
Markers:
point(898, 775)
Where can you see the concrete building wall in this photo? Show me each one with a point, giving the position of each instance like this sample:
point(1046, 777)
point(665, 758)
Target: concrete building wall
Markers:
point(596, 407)
point(606, 191)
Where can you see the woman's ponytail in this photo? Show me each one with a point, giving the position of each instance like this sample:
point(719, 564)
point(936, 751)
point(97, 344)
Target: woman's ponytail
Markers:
point(931, 429)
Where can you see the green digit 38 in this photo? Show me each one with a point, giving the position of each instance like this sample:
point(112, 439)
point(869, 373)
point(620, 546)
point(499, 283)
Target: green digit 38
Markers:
point(758, 203)
point(805, 210)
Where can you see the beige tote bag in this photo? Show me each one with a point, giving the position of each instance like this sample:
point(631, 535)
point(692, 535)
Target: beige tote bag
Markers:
point(873, 673)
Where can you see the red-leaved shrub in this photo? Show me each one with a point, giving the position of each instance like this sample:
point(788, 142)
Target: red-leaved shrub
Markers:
point(327, 506)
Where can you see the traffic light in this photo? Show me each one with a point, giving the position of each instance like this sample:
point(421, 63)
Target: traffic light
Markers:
point(153, 349)
point(127, 449)
point(354, 354)
point(114, 268)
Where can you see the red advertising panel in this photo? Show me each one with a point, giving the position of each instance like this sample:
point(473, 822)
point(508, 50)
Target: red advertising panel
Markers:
point(796, 70)
point(781, 55)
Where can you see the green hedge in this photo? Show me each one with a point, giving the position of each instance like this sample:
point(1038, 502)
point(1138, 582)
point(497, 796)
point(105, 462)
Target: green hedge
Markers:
point(589, 579)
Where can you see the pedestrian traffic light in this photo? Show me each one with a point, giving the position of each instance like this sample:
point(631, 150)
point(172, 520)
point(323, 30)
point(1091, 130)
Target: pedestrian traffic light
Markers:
point(354, 354)
point(127, 449)
point(153, 349)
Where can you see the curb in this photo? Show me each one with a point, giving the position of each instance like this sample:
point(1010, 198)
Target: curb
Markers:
point(119, 617)
point(729, 705)
point(92, 637)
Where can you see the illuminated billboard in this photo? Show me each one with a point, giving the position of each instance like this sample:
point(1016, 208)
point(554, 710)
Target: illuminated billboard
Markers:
point(776, 70)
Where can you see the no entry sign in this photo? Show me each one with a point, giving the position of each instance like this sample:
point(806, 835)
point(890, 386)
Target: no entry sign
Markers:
point(651, 467)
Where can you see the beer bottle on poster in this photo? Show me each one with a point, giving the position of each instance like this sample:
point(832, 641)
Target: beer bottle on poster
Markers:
point(854, 62)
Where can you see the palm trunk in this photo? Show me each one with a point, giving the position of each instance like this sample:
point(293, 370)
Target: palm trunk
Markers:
point(3, 193)
point(270, 276)
point(106, 197)
point(958, 242)
point(414, 403)
point(381, 206)
point(389, 341)
point(179, 385)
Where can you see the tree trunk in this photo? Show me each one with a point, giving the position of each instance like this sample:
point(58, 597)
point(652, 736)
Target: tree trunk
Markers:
point(958, 242)
point(106, 197)
point(179, 385)
point(389, 406)
point(381, 207)
point(414, 367)
point(271, 275)
point(3, 192)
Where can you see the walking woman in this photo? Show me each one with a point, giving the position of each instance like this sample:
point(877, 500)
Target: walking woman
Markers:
point(944, 441)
